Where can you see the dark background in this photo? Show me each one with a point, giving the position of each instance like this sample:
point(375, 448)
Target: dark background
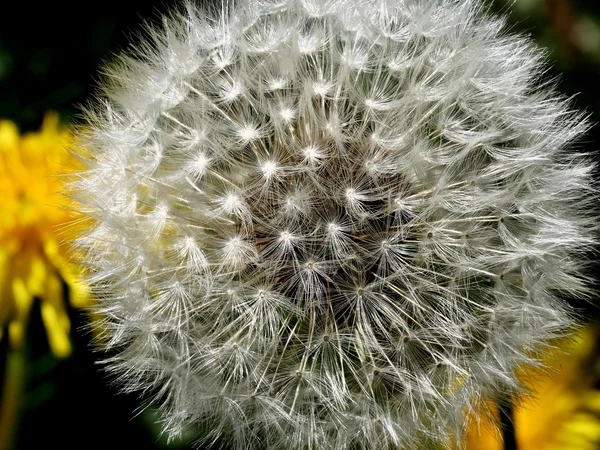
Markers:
point(50, 53)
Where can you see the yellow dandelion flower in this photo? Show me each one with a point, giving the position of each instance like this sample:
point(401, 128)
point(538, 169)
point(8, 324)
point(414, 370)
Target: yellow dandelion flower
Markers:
point(33, 261)
point(563, 411)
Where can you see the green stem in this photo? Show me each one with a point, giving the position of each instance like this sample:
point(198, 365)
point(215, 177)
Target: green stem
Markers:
point(14, 380)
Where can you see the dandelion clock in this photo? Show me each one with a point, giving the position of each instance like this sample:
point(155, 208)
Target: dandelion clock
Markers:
point(331, 224)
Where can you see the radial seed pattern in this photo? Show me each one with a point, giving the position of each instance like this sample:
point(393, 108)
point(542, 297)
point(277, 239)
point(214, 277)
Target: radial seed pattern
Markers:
point(331, 224)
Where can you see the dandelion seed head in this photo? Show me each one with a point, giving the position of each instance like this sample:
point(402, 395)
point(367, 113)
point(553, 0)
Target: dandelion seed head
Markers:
point(333, 224)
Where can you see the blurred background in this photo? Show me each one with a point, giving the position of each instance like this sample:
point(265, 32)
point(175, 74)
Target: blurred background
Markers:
point(50, 54)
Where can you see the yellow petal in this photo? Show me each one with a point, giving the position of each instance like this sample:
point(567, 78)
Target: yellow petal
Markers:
point(591, 401)
point(79, 293)
point(585, 426)
point(50, 123)
point(58, 334)
point(55, 317)
point(16, 333)
point(22, 301)
point(22, 298)
point(9, 136)
point(37, 277)
point(51, 251)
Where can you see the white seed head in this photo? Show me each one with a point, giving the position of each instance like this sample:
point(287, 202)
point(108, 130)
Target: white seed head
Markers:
point(332, 224)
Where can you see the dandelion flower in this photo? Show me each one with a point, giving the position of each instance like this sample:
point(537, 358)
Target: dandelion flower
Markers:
point(333, 224)
point(33, 261)
point(563, 409)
